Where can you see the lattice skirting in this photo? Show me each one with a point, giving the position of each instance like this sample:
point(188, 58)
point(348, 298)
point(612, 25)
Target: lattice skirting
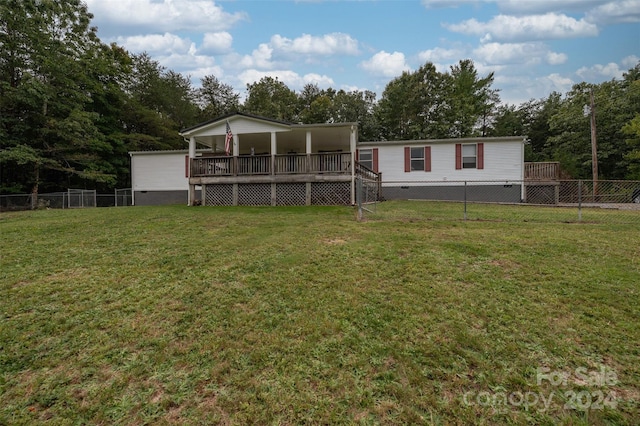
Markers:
point(331, 193)
point(291, 194)
point(286, 194)
point(254, 194)
point(219, 195)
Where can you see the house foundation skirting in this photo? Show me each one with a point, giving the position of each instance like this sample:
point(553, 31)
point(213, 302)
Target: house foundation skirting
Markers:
point(158, 198)
point(277, 194)
point(270, 190)
point(478, 193)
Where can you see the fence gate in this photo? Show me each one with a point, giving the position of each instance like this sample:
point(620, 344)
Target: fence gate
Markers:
point(81, 198)
point(367, 196)
point(123, 197)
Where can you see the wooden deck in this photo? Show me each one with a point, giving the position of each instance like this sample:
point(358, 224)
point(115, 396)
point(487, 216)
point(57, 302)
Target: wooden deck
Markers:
point(542, 171)
point(289, 179)
point(261, 165)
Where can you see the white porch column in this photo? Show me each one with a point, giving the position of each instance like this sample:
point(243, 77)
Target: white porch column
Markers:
point(192, 147)
point(236, 145)
point(274, 151)
point(308, 150)
point(352, 147)
point(192, 155)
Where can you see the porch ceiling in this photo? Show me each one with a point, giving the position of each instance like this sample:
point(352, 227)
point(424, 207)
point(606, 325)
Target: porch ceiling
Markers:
point(322, 139)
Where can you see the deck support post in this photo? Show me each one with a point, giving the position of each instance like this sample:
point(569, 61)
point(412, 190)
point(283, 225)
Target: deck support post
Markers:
point(234, 195)
point(274, 193)
point(307, 199)
point(192, 188)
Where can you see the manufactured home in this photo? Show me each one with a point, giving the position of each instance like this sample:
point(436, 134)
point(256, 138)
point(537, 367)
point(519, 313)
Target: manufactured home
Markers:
point(242, 159)
point(438, 168)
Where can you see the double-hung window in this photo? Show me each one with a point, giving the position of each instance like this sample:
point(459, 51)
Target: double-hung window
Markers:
point(365, 157)
point(469, 156)
point(417, 158)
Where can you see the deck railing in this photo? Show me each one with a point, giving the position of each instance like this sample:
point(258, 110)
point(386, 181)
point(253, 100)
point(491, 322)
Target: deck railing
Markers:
point(338, 163)
point(254, 165)
point(212, 166)
point(545, 171)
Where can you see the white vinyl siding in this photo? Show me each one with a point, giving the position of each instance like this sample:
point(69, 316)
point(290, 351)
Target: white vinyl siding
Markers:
point(502, 161)
point(159, 171)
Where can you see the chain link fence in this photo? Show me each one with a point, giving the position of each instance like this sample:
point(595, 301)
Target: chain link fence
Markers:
point(72, 198)
point(367, 196)
point(535, 201)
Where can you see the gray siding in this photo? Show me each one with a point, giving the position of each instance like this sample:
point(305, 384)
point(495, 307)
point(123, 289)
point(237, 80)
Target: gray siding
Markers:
point(157, 198)
point(483, 193)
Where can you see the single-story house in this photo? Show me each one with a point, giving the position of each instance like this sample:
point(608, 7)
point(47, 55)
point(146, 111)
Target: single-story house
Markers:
point(242, 159)
point(438, 168)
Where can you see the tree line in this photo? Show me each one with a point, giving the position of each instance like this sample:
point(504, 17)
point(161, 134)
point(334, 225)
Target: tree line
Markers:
point(72, 107)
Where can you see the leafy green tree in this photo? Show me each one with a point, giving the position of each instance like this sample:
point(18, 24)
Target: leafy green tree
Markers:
point(315, 105)
point(508, 121)
point(216, 98)
point(470, 99)
point(616, 104)
point(158, 105)
point(529, 119)
point(412, 105)
point(271, 98)
point(47, 126)
point(356, 106)
point(632, 131)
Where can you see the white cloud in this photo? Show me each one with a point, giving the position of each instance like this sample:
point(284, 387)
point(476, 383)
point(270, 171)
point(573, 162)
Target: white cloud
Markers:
point(198, 73)
point(522, 7)
point(554, 58)
point(156, 43)
point(259, 58)
point(561, 84)
point(439, 55)
point(386, 64)
point(188, 63)
point(279, 50)
point(518, 53)
point(533, 27)
point(216, 42)
point(625, 11)
point(326, 45)
point(598, 71)
point(163, 15)
point(544, 6)
point(518, 89)
point(630, 61)
point(292, 79)
point(439, 4)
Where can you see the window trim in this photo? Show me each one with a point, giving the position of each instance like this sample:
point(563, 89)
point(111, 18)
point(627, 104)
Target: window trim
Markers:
point(467, 157)
point(374, 158)
point(409, 158)
point(479, 163)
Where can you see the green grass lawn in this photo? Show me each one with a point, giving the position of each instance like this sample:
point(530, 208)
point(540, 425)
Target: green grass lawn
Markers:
point(162, 315)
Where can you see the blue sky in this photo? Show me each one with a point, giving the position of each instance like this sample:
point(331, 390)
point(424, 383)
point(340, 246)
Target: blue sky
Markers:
point(534, 47)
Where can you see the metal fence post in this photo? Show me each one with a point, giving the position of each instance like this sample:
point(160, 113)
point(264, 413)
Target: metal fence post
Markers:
point(359, 198)
point(580, 201)
point(465, 200)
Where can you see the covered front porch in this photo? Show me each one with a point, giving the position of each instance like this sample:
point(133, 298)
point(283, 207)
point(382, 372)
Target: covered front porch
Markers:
point(268, 162)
